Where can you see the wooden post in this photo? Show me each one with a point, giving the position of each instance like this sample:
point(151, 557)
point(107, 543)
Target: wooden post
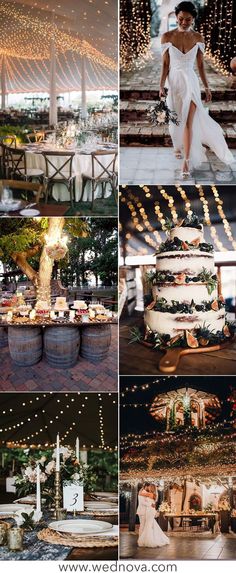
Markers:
point(133, 507)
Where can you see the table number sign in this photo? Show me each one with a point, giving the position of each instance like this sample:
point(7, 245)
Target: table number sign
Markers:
point(73, 497)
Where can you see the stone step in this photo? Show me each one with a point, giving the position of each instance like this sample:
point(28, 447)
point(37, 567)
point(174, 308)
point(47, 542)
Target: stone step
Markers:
point(132, 111)
point(141, 133)
point(149, 92)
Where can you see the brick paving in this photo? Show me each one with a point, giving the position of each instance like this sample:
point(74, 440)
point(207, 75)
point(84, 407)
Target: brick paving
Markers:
point(84, 376)
point(139, 88)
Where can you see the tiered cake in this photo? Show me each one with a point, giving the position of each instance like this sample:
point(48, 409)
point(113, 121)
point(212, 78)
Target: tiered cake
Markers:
point(184, 286)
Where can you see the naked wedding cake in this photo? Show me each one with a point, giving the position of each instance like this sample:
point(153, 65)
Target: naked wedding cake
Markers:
point(185, 297)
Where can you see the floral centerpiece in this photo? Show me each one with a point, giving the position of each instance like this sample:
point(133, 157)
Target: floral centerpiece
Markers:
point(72, 471)
point(164, 507)
point(57, 250)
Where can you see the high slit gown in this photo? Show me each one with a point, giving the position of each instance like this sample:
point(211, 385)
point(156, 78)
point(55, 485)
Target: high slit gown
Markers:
point(184, 88)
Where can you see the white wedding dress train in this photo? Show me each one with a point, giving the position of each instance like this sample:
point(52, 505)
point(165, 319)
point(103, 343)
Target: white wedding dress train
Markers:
point(151, 534)
point(184, 88)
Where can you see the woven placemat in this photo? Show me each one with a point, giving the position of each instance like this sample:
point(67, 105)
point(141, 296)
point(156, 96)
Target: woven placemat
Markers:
point(57, 538)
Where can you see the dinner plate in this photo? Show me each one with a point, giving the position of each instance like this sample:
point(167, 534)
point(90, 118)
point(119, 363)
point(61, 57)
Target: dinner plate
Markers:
point(13, 206)
point(29, 212)
point(103, 509)
point(11, 508)
point(98, 505)
point(80, 526)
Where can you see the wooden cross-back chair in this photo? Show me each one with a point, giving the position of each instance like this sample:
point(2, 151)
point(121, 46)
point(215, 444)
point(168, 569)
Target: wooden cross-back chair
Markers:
point(59, 170)
point(101, 174)
point(16, 167)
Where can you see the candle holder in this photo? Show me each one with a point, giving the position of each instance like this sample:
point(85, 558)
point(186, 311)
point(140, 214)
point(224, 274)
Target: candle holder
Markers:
point(3, 533)
point(57, 492)
point(15, 539)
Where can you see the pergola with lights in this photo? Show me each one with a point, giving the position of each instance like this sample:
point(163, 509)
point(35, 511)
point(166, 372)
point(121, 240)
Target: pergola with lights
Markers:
point(56, 48)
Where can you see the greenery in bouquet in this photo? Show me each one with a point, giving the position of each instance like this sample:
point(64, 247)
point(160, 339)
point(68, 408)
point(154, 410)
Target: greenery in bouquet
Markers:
point(160, 114)
point(71, 471)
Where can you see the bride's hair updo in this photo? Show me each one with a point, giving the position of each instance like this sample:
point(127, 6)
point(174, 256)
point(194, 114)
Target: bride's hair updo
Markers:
point(186, 7)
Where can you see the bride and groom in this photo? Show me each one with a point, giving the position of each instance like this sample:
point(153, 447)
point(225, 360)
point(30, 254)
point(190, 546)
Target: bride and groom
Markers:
point(150, 533)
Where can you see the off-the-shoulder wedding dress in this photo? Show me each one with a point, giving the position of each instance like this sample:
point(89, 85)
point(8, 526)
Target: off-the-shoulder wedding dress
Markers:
point(151, 533)
point(183, 87)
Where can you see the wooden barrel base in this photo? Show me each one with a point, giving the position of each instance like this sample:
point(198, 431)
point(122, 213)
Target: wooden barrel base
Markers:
point(3, 336)
point(25, 345)
point(61, 346)
point(95, 342)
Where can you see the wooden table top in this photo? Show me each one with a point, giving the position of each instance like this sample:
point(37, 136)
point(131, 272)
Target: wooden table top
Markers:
point(138, 359)
point(46, 210)
point(56, 323)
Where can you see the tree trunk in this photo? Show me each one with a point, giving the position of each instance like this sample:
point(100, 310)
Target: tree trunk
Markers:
point(56, 225)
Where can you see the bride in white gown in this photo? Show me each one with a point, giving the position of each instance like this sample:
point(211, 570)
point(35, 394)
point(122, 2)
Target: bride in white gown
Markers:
point(181, 48)
point(150, 534)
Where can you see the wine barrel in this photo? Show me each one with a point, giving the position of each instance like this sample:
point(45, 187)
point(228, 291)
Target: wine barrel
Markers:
point(61, 345)
point(25, 344)
point(3, 336)
point(95, 342)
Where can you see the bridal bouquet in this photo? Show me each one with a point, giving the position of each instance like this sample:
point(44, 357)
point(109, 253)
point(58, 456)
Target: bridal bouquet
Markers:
point(160, 114)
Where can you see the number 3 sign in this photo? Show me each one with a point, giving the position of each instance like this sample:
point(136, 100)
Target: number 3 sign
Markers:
point(73, 497)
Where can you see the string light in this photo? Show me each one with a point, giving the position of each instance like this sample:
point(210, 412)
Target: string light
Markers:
point(217, 29)
point(138, 211)
point(29, 37)
point(63, 406)
point(135, 24)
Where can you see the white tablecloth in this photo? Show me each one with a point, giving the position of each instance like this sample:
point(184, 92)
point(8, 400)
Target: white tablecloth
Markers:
point(82, 163)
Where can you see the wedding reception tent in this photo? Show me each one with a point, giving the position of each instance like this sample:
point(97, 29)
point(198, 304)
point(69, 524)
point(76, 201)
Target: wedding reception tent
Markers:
point(59, 106)
point(179, 434)
point(52, 49)
point(58, 465)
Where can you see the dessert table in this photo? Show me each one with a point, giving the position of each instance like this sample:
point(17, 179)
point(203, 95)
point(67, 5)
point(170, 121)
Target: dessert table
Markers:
point(140, 360)
point(82, 163)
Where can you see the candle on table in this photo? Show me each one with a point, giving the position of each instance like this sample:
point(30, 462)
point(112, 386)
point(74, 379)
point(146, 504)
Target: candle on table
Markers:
point(32, 314)
point(52, 314)
point(38, 492)
point(58, 454)
point(77, 448)
point(72, 314)
point(61, 313)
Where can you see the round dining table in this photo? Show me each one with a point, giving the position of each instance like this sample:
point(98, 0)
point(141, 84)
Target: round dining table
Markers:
point(82, 163)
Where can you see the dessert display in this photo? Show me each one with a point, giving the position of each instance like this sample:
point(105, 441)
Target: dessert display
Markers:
point(61, 304)
point(80, 306)
point(42, 308)
point(97, 308)
point(184, 308)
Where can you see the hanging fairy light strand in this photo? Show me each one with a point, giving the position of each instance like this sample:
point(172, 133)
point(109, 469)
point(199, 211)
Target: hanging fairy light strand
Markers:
point(137, 209)
point(29, 37)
